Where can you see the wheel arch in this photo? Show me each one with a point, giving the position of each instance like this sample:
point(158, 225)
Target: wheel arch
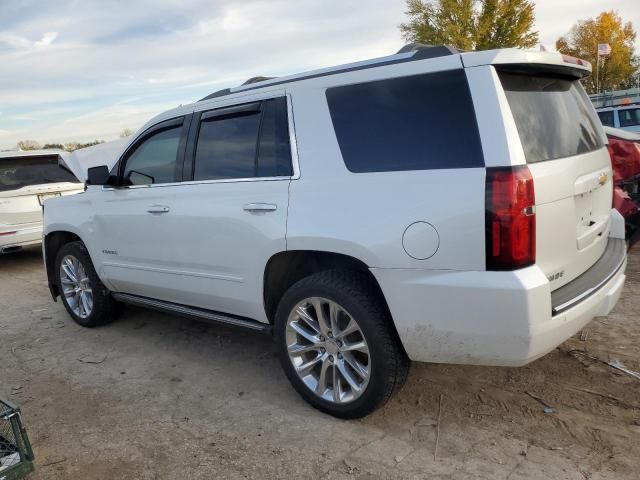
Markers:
point(286, 268)
point(51, 244)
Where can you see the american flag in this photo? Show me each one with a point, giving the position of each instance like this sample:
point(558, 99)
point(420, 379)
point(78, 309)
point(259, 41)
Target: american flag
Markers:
point(604, 49)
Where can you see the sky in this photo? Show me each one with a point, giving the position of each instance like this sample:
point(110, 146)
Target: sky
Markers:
point(78, 70)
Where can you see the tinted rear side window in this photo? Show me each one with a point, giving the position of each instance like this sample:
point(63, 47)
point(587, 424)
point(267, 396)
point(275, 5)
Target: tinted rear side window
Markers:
point(606, 118)
point(227, 147)
point(420, 122)
point(274, 154)
point(21, 172)
point(245, 145)
point(552, 114)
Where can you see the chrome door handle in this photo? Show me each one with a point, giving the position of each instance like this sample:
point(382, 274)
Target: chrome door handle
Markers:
point(260, 207)
point(158, 209)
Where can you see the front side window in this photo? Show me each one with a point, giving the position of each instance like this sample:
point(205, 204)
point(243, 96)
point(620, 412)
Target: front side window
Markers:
point(629, 117)
point(245, 144)
point(606, 118)
point(420, 122)
point(552, 114)
point(155, 159)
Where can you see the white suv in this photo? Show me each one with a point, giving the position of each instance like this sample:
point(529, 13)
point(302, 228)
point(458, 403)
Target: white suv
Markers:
point(432, 205)
point(27, 179)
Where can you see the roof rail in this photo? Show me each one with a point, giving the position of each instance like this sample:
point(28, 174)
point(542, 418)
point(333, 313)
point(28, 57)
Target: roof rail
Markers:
point(421, 52)
point(257, 79)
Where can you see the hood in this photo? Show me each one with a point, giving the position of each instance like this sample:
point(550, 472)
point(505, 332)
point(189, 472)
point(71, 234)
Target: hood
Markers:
point(106, 153)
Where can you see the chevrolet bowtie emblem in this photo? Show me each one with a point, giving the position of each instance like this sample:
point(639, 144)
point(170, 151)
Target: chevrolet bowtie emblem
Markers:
point(602, 179)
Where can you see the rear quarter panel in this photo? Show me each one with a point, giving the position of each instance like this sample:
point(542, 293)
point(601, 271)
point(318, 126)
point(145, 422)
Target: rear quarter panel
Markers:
point(365, 215)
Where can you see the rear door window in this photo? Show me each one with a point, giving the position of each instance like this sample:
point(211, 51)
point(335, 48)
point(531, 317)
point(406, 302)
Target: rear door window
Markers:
point(244, 142)
point(629, 117)
point(19, 172)
point(552, 114)
point(420, 122)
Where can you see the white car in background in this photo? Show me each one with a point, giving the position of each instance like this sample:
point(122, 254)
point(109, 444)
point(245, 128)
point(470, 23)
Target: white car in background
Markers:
point(27, 180)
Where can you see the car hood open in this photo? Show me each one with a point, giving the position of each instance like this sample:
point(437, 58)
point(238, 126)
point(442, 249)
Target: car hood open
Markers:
point(106, 153)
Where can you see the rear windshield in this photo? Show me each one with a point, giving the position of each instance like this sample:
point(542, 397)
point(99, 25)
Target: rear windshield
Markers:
point(21, 172)
point(420, 122)
point(552, 114)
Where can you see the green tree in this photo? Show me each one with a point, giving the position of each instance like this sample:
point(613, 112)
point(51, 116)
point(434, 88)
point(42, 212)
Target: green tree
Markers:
point(616, 70)
point(471, 24)
point(73, 146)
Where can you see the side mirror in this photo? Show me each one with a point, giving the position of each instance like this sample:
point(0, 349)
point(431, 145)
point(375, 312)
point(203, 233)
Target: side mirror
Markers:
point(98, 175)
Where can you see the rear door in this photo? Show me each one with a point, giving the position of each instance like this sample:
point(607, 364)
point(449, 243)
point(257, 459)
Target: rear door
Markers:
point(232, 209)
point(562, 140)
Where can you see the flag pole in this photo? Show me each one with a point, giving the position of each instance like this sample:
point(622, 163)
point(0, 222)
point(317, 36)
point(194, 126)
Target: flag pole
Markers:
point(597, 70)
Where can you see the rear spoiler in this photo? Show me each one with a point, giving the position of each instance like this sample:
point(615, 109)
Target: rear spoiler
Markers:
point(529, 61)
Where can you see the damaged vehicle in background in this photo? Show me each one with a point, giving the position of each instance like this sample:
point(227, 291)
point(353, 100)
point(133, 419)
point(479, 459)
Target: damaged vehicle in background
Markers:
point(27, 180)
point(624, 148)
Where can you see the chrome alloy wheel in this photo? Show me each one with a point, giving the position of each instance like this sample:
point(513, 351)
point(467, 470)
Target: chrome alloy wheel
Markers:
point(328, 350)
point(76, 287)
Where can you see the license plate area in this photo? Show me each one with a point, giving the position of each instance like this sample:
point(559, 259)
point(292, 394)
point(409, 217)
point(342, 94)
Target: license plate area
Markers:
point(42, 197)
point(584, 210)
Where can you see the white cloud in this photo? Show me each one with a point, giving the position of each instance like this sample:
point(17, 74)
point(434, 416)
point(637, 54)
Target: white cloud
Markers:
point(47, 39)
point(97, 69)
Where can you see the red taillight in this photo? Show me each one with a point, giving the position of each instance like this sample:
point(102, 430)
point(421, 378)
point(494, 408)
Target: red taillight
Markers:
point(510, 220)
point(7, 233)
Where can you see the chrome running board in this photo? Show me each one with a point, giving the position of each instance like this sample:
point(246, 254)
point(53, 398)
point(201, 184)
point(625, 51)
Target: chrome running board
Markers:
point(193, 312)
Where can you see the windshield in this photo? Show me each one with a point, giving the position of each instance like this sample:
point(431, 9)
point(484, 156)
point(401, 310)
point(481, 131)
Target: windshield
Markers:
point(552, 114)
point(18, 172)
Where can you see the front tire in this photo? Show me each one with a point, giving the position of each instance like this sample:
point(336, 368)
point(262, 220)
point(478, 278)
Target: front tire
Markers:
point(83, 294)
point(337, 345)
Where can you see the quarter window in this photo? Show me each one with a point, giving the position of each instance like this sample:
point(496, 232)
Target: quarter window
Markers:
point(245, 143)
point(154, 160)
point(420, 122)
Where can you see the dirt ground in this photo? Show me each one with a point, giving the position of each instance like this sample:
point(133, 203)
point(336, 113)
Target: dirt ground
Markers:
point(153, 396)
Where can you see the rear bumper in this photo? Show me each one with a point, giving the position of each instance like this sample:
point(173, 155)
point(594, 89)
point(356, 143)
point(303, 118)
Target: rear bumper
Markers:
point(486, 318)
point(24, 236)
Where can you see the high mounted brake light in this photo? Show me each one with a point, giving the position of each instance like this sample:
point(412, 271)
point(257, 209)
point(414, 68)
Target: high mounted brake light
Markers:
point(510, 220)
point(575, 61)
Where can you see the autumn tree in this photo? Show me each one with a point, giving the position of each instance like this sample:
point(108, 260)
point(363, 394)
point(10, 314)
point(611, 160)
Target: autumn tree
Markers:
point(471, 24)
point(616, 70)
point(28, 145)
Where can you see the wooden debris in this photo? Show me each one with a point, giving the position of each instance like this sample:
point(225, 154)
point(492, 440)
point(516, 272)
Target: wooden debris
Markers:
point(435, 452)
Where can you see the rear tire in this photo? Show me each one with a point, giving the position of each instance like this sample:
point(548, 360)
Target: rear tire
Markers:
point(83, 294)
point(347, 376)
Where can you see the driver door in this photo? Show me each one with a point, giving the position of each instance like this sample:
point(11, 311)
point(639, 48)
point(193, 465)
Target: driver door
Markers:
point(136, 242)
